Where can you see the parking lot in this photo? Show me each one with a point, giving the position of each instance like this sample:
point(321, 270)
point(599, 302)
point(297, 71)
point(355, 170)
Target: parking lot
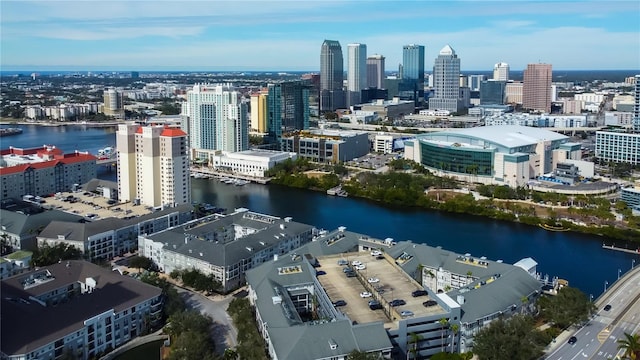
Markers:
point(92, 206)
point(389, 283)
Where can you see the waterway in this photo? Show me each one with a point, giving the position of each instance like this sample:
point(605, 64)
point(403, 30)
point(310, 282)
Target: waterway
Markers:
point(576, 257)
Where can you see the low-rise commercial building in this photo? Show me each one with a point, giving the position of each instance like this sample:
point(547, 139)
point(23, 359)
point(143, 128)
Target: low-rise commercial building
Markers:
point(224, 246)
point(74, 308)
point(392, 109)
point(43, 171)
point(327, 145)
point(252, 163)
point(631, 196)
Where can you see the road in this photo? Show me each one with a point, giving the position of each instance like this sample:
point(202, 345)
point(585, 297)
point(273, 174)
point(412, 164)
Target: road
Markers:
point(598, 338)
point(224, 333)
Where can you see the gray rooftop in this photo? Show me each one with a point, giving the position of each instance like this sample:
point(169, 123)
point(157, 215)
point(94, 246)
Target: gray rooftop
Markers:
point(113, 291)
point(294, 339)
point(76, 231)
point(21, 224)
point(231, 252)
point(509, 136)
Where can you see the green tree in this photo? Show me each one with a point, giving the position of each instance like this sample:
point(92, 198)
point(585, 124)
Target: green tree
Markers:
point(361, 355)
point(140, 262)
point(444, 323)
point(515, 338)
point(414, 339)
point(192, 345)
point(631, 346)
point(569, 306)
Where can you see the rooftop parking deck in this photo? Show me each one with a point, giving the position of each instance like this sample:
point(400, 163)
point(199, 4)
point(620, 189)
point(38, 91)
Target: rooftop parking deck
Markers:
point(93, 206)
point(392, 283)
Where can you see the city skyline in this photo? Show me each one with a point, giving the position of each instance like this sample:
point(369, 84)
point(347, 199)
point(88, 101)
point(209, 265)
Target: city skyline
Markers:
point(286, 35)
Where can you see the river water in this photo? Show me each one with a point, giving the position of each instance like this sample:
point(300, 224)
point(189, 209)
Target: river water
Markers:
point(578, 258)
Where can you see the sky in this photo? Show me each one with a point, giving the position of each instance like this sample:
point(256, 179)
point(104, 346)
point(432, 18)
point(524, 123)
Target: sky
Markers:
point(287, 35)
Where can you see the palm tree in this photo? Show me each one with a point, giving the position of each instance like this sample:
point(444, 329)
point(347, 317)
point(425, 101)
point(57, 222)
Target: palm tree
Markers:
point(454, 329)
point(443, 323)
point(631, 346)
point(413, 339)
point(524, 301)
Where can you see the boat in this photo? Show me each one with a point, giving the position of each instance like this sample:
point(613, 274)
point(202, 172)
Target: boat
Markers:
point(553, 227)
point(105, 153)
point(10, 131)
point(240, 182)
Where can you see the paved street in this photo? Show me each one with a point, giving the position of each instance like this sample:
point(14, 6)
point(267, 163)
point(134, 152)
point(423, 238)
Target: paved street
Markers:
point(224, 333)
point(598, 338)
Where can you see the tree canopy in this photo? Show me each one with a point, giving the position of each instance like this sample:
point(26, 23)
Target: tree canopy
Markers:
point(569, 306)
point(190, 335)
point(515, 338)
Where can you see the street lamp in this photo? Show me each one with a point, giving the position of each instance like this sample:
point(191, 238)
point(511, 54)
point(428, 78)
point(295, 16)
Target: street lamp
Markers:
point(591, 297)
point(619, 271)
point(633, 262)
point(605, 285)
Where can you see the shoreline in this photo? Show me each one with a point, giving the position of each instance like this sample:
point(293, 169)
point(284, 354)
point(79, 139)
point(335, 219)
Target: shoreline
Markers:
point(62, 123)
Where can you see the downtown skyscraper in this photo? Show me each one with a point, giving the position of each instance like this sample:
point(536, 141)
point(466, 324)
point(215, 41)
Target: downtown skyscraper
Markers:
point(412, 83)
point(501, 71)
point(536, 90)
point(446, 82)
point(356, 72)
point(375, 71)
point(332, 95)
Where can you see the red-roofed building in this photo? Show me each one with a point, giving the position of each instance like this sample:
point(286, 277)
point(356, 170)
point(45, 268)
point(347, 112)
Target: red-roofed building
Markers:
point(153, 165)
point(43, 171)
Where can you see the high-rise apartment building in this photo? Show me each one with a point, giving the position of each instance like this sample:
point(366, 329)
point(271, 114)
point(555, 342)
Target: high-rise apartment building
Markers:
point(113, 105)
point(618, 145)
point(259, 112)
point(274, 113)
point(412, 84)
point(331, 76)
point(536, 91)
point(153, 165)
point(287, 108)
point(356, 72)
point(217, 118)
point(375, 71)
point(446, 81)
point(501, 71)
point(636, 107)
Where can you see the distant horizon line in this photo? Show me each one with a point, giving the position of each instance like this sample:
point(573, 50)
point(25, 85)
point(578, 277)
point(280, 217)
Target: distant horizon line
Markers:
point(236, 70)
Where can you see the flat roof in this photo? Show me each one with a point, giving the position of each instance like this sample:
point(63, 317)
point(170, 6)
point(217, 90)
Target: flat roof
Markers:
point(393, 283)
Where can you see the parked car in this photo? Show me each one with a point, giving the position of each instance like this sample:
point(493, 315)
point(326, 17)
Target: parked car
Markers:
point(376, 253)
point(373, 280)
point(607, 307)
point(419, 293)
point(350, 274)
point(572, 340)
point(342, 262)
point(346, 269)
point(406, 313)
point(361, 267)
point(356, 262)
point(365, 294)
point(375, 305)
point(321, 272)
point(397, 302)
point(429, 303)
point(339, 303)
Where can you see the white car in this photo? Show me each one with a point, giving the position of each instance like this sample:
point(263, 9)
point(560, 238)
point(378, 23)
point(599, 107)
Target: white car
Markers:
point(376, 253)
point(373, 280)
point(356, 262)
point(365, 294)
point(360, 267)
